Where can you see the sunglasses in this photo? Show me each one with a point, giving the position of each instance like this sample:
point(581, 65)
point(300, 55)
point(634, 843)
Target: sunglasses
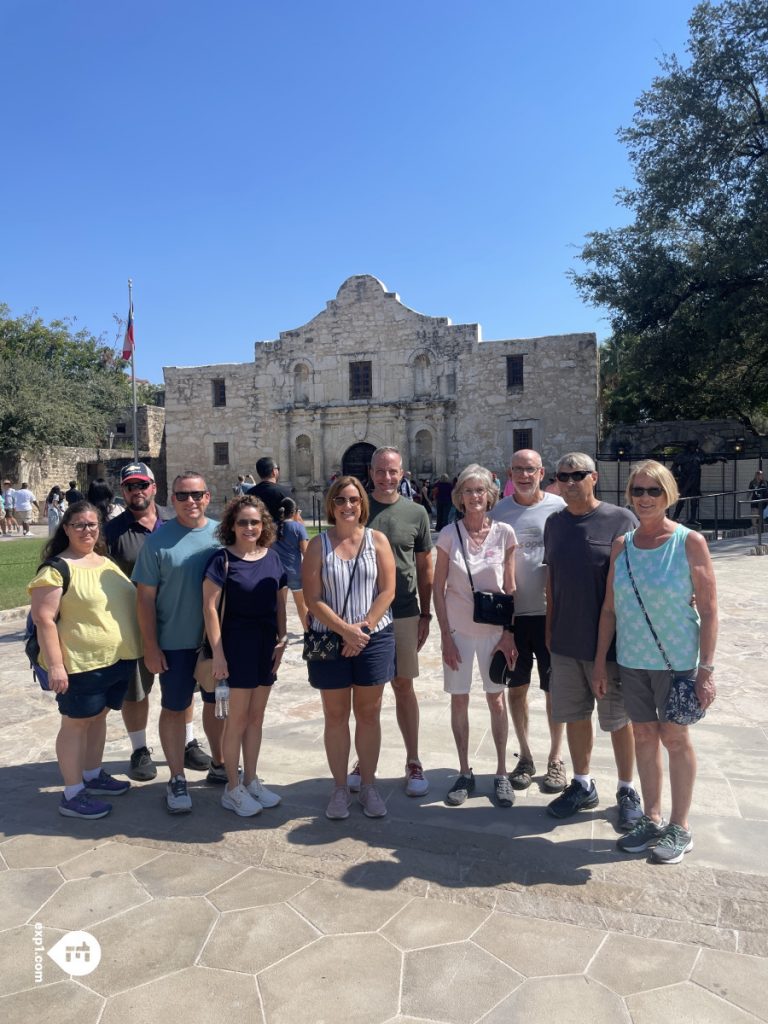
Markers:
point(247, 522)
point(187, 495)
point(82, 527)
point(652, 492)
point(136, 485)
point(340, 502)
point(577, 475)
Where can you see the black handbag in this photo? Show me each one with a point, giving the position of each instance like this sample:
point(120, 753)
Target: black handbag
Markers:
point(682, 706)
point(489, 607)
point(326, 646)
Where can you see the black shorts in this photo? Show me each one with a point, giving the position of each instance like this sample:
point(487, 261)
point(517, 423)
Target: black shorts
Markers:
point(373, 666)
point(530, 631)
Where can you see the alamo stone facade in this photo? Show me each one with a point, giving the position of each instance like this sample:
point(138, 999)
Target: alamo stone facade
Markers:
point(368, 371)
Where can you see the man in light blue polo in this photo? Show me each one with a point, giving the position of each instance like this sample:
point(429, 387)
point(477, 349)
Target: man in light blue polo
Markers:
point(169, 578)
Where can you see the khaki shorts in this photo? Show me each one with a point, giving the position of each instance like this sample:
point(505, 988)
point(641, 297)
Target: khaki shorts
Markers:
point(646, 691)
point(140, 683)
point(25, 517)
point(572, 699)
point(406, 647)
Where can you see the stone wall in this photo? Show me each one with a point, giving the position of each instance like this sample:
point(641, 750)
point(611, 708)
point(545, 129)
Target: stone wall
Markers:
point(712, 435)
point(438, 392)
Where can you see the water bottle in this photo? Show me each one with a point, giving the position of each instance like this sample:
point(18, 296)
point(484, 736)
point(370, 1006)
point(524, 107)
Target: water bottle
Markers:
point(222, 698)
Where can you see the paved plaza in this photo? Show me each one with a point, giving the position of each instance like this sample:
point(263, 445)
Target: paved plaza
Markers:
point(439, 914)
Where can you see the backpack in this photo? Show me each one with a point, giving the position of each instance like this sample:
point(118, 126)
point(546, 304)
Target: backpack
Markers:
point(31, 643)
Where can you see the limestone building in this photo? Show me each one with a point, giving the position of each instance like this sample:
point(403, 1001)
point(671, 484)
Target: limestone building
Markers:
point(369, 371)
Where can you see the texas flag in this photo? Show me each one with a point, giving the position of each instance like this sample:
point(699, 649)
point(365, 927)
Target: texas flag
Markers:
point(128, 343)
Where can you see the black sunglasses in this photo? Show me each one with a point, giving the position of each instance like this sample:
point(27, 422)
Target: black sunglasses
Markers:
point(185, 495)
point(136, 485)
point(652, 492)
point(577, 475)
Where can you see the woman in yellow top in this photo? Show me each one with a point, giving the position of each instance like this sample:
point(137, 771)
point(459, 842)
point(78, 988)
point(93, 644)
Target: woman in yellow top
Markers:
point(89, 642)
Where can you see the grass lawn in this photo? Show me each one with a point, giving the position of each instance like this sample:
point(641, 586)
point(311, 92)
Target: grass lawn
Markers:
point(18, 561)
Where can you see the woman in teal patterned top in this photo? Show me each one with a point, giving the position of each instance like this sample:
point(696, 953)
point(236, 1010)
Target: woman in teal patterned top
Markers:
point(674, 576)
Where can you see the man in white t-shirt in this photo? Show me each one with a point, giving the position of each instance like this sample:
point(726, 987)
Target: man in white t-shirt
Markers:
point(23, 501)
point(526, 511)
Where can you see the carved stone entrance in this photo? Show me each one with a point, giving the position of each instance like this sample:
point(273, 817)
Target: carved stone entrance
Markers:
point(356, 461)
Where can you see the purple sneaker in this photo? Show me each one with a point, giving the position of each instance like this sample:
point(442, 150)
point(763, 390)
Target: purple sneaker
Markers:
point(106, 785)
point(83, 805)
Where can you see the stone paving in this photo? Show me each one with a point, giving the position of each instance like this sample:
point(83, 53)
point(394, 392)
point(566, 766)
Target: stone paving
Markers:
point(447, 915)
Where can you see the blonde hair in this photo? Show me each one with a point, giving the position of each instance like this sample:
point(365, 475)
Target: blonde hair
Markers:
point(656, 472)
point(339, 485)
point(475, 472)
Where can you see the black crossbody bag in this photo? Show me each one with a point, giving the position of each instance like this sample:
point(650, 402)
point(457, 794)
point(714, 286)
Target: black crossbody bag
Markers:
point(491, 608)
point(327, 646)
point(682, 707)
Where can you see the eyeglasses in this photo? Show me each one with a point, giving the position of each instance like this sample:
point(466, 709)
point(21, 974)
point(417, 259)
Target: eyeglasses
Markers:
point(474, 491)
point(187, 495)
point(136, 485)
point(577, 475)
point(340, 501)
point(652, 492)
point(525, 469)
point(82, 527)
point(247, 522)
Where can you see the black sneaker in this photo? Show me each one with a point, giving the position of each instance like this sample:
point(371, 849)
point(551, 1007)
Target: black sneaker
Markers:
point(630, 813)
point(217, 774)
point(195, 758)
point(574, 798)
point(460, 790)
point(142, 766)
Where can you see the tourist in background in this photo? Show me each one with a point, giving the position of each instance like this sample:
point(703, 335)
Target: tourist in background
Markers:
point(441, 496)
point(349, 584)
point(248, 640)
point(89, 643)
point(53, 509)
point(673, 573)
point(290, 546)
point(487, 550)
point(102, 496)
point(23, 501)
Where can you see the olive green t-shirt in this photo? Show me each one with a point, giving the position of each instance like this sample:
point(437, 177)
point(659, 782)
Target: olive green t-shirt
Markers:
point(406, 526)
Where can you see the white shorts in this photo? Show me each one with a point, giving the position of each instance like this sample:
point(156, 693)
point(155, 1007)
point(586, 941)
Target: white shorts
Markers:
point(470, 647)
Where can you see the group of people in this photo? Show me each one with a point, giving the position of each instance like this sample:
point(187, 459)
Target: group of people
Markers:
point(366, 586)
point(16, 508)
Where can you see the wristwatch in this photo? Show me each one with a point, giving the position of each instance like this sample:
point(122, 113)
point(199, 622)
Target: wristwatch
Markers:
point(366, 630)
point(707, 668)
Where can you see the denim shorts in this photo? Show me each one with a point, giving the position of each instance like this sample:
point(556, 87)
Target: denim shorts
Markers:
point(373, 666)
point(177, 685)
point(89, 693)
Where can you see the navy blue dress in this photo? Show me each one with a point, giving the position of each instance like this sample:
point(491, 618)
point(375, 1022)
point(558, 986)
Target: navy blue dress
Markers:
point(249, 629)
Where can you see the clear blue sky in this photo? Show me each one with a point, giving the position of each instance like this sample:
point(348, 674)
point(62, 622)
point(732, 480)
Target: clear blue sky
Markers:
point(240, 159)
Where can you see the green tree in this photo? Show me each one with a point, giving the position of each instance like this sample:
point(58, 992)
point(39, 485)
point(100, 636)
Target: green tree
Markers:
point(686, 282)
point(56, 387)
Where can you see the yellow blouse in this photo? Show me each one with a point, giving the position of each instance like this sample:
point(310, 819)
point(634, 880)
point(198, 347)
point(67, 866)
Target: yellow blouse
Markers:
point(97, 624)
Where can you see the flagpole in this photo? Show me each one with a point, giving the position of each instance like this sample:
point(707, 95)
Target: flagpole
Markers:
point(133, 380)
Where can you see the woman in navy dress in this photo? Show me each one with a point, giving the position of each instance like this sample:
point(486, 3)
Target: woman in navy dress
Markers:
point(249, 644)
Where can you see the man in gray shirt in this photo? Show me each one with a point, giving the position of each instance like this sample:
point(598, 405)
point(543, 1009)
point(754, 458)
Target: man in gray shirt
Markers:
point(527, 511)
point(577, 550)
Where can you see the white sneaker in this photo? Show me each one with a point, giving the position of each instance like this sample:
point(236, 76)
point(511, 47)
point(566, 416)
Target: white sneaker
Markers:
point(264, 796)
point(415, 782)
point(240, 801)
point(353, 779)
point(177, 799)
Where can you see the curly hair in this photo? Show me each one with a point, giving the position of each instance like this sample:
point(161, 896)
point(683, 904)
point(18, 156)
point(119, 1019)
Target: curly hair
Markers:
point(60, 541)
point(339, 485)
point(226, 528)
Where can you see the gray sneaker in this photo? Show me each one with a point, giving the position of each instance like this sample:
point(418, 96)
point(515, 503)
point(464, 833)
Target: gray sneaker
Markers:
point(629, 808)
point(502, 790)
point(460, 790)
point(674, 843)
point(177, 799)
point(645, 834)
point(522, 774)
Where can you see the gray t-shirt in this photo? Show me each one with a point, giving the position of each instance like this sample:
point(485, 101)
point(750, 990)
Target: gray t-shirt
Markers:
point(530, 570)
point(577, 550)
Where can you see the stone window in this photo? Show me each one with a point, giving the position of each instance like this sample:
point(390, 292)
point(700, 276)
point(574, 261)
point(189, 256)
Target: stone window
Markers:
point(514, 371)
point(522, 439)
point(423, 453)
point(422, 383)
point(120, 428)
point(300, 383)
point(303, 457)
point(219, 392)
point(221, 453)
point(360, 380)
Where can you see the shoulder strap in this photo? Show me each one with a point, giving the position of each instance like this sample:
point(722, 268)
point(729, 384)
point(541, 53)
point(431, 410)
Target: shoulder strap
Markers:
point(62, 567)
point(642, 607)
point(463, 555)
point(354, 570)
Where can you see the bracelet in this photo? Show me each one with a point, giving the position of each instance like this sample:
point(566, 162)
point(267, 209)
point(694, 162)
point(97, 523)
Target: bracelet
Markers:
point(281, 640)
point(707, 668)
